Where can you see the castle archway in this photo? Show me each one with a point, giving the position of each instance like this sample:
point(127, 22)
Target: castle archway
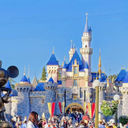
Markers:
point(74, 107)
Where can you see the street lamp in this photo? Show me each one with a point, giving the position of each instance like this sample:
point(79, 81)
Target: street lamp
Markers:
point(116, 98)
point(96, 85)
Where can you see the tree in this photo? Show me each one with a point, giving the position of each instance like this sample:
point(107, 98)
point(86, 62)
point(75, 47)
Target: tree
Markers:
point(12, 83)
point(43, 77)
point(109, 108)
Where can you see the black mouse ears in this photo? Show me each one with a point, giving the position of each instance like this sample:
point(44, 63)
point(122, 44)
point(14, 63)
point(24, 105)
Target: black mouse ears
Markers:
point(13, 71)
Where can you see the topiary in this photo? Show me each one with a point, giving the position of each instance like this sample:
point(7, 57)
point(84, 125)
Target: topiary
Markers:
point(108, 108)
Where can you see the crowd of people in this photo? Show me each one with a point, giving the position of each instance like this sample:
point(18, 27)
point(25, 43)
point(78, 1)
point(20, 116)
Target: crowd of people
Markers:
point(71, 120)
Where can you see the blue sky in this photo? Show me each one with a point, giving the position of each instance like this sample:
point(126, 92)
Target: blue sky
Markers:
point(29, 29)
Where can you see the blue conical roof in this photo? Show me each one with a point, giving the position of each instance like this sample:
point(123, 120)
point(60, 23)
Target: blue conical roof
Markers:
point(24, 79)
point(77, 58)
point(87, 28)
point(39, 87)
point(29, 80)
point(52, 60)
point(121, 75)
point(74, 57)
point(125, 80)
point(103, 77)
point(8, 85)
point(65, 65)
point(51, 80)
point(14, 93)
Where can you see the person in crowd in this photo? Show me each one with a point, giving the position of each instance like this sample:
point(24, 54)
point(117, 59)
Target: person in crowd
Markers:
point(24, 123)
point(32, 120)
point(101, 124)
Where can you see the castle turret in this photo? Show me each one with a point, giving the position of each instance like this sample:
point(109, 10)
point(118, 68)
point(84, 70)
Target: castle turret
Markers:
point(124, 91)
point(86, 50)
point(52, 68)
point(50, 93)
point(23, 102)
point(72, 51)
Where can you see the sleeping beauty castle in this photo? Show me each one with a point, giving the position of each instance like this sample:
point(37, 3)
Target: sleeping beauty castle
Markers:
point(69, 87)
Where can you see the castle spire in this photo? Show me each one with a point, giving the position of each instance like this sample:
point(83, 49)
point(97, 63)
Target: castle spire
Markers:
point(53, 51)
point(28, 71)
point(24, 71)
point(86, 25)
point(99, 65)
point(71, 44)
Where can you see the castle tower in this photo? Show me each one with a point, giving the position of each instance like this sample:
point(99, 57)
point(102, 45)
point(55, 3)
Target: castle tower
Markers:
point(72, 51)
point(86, 50)
point(124, 91)
point(50, 93)
point(52, 68)
point(23, 101)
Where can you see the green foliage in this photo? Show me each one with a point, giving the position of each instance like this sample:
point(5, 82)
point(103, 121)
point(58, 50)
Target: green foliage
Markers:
point(12, 83)
point(123, 120)
point(43, 77)
point(108, 108)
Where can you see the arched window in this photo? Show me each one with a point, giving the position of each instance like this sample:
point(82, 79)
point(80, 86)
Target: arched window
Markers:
point(24, 89)
point(20, 89)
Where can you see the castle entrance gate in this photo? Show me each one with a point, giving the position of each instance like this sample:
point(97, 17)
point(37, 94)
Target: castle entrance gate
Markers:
point(73, 107)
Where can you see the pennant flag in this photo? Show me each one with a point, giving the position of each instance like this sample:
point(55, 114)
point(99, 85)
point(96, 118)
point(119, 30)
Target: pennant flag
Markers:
point(93, 109)
point(85, 106)
point(60, 107)
point(53, 108)
point(89, 110)
point(49, 108)
point(63, 104)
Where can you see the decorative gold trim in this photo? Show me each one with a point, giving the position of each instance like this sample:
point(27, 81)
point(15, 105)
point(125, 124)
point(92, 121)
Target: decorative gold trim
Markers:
point(74, 104)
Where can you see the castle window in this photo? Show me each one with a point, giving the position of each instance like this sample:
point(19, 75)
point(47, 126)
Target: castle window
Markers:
point(24, 90)
point(75, 83)
point(75, 70)
point(20, 89)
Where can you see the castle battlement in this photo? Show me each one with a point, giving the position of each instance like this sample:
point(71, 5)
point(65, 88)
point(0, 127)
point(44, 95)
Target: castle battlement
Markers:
point(37, 94)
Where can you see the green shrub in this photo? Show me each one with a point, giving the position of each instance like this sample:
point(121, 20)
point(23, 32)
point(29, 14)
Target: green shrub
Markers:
point(108, 108)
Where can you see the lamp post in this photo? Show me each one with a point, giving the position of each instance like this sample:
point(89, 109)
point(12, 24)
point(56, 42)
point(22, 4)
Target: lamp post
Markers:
point(116, 98)
point(96, 85)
